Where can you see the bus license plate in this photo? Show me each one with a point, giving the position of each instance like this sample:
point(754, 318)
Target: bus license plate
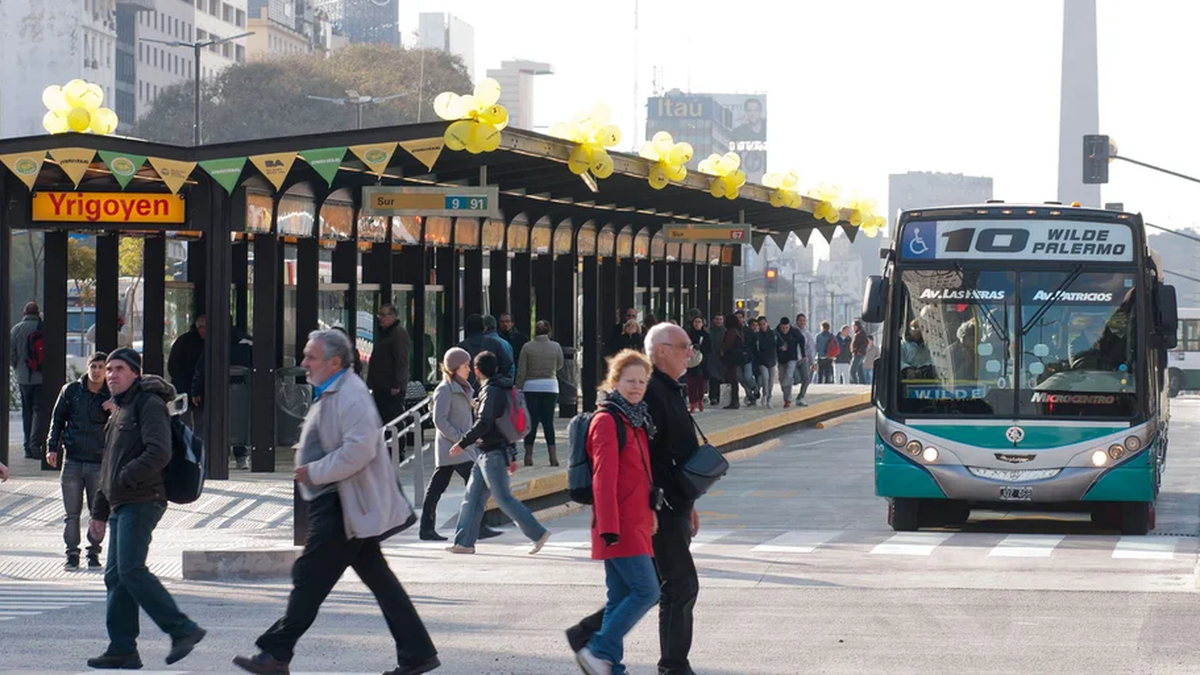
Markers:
point(1016, 494)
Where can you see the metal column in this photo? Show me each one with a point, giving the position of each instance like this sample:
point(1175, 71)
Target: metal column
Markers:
point(154, 300)
point(659, 280)
point(498, 284)
point(626, 281)
point(54, 328)
point(108, 301)
point(543, 291)
point(520, 291)
point(472, 291)
point(447, 277)
point(564, 294)
point(212, 209)
point(240, 269)
point(5, 309)
point(593, 339)
point(267, 296)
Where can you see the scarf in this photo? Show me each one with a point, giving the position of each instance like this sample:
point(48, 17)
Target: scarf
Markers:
point(638, 415)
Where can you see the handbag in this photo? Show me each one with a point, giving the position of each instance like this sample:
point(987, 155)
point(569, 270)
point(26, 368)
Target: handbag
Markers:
point(702, 470)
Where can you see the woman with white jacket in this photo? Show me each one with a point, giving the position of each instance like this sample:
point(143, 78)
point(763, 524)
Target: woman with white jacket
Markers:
point(453, 415)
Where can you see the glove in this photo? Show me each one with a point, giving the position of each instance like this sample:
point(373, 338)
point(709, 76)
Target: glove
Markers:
point(610, 538)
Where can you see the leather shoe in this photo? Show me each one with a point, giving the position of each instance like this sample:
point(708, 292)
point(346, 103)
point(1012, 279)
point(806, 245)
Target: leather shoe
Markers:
point(183, 646)
point(261, 662)
point(108, 661)
point(431, 663)
point(431, 535)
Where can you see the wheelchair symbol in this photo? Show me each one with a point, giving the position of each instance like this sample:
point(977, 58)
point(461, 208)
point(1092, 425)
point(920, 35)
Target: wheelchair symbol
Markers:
point(917, 245)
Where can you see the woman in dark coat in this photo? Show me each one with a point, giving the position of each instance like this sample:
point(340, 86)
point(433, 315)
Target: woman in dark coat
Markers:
point(696, 377)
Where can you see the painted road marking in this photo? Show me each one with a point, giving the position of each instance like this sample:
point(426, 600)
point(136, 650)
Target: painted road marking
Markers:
point(1027, 546)
point(1145, 548)
point(911, 543)
point(707, 537)
point(797, 541)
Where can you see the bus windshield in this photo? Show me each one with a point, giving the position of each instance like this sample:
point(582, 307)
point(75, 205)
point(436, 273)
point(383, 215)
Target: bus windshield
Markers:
point(1034, 343)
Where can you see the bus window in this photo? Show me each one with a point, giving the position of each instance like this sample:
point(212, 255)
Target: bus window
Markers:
point(957, 354)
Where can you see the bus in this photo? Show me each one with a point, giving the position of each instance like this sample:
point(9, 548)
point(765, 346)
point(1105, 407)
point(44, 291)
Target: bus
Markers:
point(1023, 363)
point(1183, 362)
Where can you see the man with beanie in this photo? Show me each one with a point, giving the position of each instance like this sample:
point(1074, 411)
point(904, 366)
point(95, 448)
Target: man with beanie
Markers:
point(25, 357)
point(137, 448)
point(77, 436)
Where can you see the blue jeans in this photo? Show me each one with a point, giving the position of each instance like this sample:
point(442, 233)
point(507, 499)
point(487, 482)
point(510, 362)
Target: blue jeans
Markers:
point(787, 377)
point(78, 479)
point(490, 476)
point(632, 591)
point(856, 371)
point(131, 585)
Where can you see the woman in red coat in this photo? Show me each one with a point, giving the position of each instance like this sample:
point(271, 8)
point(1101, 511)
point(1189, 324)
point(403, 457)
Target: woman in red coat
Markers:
point(623, 520)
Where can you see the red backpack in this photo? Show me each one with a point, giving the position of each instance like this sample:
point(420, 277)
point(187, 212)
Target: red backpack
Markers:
point(34, 350)
point(833, 349)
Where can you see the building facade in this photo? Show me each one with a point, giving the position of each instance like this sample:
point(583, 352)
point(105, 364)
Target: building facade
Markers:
point(368, 21)
point(450, 34)
point(288, 28)
point(516, 88)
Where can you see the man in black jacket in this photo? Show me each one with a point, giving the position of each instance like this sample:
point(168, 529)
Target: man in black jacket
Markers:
point(185, 355)
point(476, 341)
point(241, 354)
point(387, 374)
point(77, 425)
point(137, 448)
point(674, 442)
point(513, 335)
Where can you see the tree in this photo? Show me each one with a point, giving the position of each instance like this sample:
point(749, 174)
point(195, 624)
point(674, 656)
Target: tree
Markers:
point(270, 98)
point(81, 270)
point(130, 257)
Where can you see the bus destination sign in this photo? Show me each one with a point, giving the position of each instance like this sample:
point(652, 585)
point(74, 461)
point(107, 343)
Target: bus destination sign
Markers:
point(1040, 240)
point(478, 202)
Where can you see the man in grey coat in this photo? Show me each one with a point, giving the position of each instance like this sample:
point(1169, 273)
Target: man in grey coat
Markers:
point(26, 361)
point(716, 369)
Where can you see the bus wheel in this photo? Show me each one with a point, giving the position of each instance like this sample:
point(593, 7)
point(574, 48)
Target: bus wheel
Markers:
point(1174, 382)
point(957, 513)
point(1137, 517)
point(1107, 516)
point(904, 514)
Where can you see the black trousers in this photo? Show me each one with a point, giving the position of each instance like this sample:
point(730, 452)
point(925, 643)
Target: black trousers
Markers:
point(437, 486)
point(389, 406)
point(714, 390)
point(680, 586)
point(34, 421)
point(327, 554)
point(825, 371)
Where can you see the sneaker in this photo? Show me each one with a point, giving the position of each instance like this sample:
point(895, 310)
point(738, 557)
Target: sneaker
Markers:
point(431, 663)
point(592, 664)
point(183, 646)
point(537, 545)
point(787, 404)
point(431, 535)
point(94, 562)
point(578, 637)
point(261, 662)
point(802, 404)
point(72, 563)
point(108, 661)
point(464, 550)
point(489, 533)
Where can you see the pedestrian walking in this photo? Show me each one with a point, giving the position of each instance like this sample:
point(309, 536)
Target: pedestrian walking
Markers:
point(696, 376)
point(766, 359)
point(737, 355)
point(841, 362)
point(806, 366)
point(77, 439)
point(25, 357)
point(858, 353)
point(827, 349)
point(490, 326)
point(131, 499)
point(624, 520)
point(495, 462)
point(387, 373)
point(716, 368)
point(512, 335)
point(185, 354)
point(354, 502)
point(869, 359)
point(453, 416)
point(790, 345)
point(476, 341)
point(537, 377)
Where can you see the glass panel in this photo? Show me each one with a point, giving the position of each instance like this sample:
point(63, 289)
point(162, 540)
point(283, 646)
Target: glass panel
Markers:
point(606, 243)
point(518, 238)
point(332, 309)
point(367, 307)
point(466, 233)
point(337, 220)
point(1080, 344)
point(585, 241)
point(687, 253)
point(673, 251)
point(562, 239)
point(406, 230)
point(493, 234)
point(540, 238)
point(435, 343)
point(437, 231)
point(641, 245)
point(658, 246)
point(259, 209)
point(180, 313)
point(957, 352)
point(289, 327)
point(296, 216)
point(373, 228)
point(625, 243)
point(1189, 335)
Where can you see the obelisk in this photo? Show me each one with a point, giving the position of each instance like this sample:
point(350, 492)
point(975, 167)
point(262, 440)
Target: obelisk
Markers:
point(1079, 111)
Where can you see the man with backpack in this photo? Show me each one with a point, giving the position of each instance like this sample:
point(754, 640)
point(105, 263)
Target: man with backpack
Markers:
point(25, 357)
point(133, 496)
point(828, 349)
point(503, 422)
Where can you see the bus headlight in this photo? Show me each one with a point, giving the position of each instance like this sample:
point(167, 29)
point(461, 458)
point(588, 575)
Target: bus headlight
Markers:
point(1133, 444)
point(899, 439)
point(1116, 451)
point(1099, 458)
point(913, 448)
point(930, 454)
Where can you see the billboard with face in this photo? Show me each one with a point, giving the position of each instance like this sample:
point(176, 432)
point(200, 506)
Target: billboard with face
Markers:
point(749, 131)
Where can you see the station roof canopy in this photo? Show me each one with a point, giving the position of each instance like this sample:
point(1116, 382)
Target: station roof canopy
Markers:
point(528, 168)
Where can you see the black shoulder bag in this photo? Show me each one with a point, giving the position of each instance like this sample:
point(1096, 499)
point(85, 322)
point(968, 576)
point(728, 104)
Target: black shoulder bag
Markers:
point(702, 470)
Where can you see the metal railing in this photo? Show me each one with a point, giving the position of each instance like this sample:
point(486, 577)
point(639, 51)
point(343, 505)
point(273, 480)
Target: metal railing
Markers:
point(410, 424)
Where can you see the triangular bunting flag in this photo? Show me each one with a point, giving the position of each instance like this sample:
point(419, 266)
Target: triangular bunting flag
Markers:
point(26, 165)
point(426, 150)
point(225, 171)
point(780, 239)
point(375, 155)
point(325, 161)
point(275, 166)
point(851, 232)
point(73, 161)
point(123, 166)
point(803, 235)
point(828, 231)
point(757, 241)
point(173, 173)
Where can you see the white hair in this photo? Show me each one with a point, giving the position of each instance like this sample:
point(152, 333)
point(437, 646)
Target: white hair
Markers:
point(661, 334)
point(334, 343)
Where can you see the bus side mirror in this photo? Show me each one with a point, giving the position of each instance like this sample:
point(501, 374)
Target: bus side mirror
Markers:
point(1167, 307)
point(875, 299)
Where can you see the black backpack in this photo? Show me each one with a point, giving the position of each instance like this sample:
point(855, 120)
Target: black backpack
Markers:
point(184, 475)
point(579, 463)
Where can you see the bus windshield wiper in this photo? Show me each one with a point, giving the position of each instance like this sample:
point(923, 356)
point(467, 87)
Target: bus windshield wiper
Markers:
point(987, 313)
point(1050, 301)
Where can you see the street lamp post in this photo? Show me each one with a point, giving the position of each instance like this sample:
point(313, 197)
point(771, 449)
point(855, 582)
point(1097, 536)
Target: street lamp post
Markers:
point(196, 49)
point(358, 101)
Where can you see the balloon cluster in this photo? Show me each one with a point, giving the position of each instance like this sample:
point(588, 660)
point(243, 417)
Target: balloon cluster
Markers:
point(477, 117)
point(784, 192)
point(669, 159)
point(827, 203)
point(863, 216)
point(729, 176)
point(76, 107)
point(593, 134)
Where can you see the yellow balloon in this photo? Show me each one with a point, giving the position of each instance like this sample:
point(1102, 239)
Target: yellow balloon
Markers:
point(663, 143)
point(487, 92)
point(457, 134)
point(685, 153)
point(448, 106)
point(53, 98)
point(104, 121)
point(731, 161)
point(658, 176)
point(79, 119)
point(737, 179)
point(676, 172)
point(792, 200)
point(601, 114)
point(831, 215)
point(473, 145)
point(74, 92)
point(93, 97)
point(717, 187)
point(55, 122)
point(496, 115)
point(560, 130)
point(608, 135)
point(602, 165)
point(580, 160)
point(776, 198)
point(486, 136)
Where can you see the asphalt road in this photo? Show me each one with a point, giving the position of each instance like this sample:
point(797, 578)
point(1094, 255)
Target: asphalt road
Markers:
point(799, 573)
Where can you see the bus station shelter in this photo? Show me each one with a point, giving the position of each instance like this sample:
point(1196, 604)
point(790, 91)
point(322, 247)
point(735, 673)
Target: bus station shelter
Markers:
point(286, 235)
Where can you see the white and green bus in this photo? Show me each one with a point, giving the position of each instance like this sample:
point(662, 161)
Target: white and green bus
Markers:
point(1183, 362)
point(1023, 365)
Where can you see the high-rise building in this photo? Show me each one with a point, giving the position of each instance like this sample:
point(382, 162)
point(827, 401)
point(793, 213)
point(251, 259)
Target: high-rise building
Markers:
point(714, 123)
point(370, 21)
point(287, 27)
point(1079, 104)
point(516, 88)
point(450, 34)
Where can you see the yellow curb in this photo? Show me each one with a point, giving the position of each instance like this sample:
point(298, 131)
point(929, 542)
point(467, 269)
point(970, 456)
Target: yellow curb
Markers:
point(842, 419)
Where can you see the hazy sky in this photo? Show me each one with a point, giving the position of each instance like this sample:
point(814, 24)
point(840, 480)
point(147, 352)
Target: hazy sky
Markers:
point(859, 89)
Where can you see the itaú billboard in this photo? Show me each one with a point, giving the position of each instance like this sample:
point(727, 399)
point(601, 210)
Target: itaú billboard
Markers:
point(748, 132)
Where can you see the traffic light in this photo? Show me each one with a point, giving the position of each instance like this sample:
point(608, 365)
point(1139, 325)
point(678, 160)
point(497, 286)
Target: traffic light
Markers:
point(772, 277)
point(740, 304)
point(1096, 157)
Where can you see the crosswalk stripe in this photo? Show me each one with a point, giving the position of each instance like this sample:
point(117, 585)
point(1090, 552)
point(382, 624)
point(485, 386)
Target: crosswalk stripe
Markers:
point(568, 540)
point(1027, 546)
point(1145, 548)
point(796, 541)
point(911, 543)
point(706, 537)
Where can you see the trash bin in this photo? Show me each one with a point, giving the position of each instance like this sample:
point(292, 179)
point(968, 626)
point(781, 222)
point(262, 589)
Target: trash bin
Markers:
point(293, 396)
point(239, 406)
